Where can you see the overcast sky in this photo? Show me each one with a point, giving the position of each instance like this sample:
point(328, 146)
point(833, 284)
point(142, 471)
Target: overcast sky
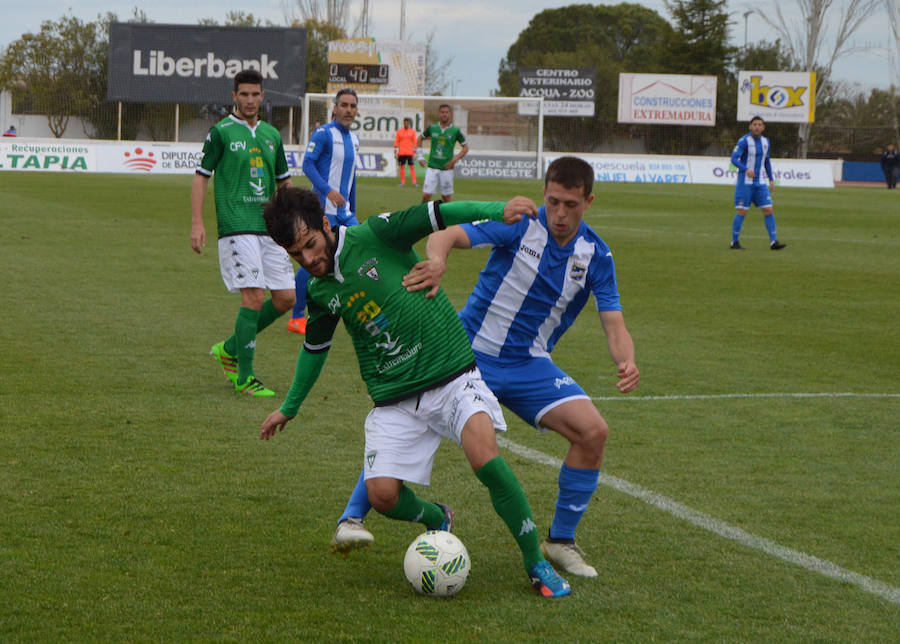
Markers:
point(475, 33)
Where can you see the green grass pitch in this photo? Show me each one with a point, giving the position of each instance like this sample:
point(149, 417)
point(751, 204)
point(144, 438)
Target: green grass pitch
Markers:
point(138, 503)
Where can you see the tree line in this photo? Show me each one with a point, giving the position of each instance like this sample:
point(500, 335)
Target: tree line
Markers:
point(61, 72)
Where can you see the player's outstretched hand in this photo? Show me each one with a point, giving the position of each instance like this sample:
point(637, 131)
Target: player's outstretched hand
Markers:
point(273, 422)
point(425, 274)
point(518, 206)
point(628, 376)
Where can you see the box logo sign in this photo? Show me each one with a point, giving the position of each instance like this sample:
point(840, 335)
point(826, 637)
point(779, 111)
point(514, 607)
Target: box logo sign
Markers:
point(668, 99)
point(783, 97)
point(186, 64)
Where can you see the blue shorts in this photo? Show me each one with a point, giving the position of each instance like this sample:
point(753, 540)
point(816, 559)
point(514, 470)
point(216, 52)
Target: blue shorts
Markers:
point(746, 194)
point(529, 387)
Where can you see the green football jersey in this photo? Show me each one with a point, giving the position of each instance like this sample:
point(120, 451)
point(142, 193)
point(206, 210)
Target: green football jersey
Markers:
point(443, 143)
point(405, 343)
point(248, 162)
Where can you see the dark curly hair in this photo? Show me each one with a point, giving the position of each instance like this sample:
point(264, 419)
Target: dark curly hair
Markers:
point(287, 208)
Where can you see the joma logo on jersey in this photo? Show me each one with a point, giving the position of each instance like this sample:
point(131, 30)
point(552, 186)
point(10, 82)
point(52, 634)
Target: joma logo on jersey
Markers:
point(529, 251)
point(775, 97)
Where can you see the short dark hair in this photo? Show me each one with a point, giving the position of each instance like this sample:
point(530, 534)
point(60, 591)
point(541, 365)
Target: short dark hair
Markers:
point(287, 208)
point(757, 118)
point(345, 90)
point(571, 172)
point(447, 105)
point(247, 76)
point(406, 119)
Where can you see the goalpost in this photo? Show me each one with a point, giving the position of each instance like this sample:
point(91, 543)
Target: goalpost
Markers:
point(504, 134)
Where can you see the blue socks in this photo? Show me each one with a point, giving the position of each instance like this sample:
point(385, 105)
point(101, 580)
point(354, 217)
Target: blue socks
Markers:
point(770, 226)
point(358, 505)
point(736, 226)
point(576, 487)
point(300, 280)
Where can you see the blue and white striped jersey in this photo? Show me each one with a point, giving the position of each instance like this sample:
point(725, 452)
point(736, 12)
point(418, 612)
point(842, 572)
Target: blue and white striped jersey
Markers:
point(330, 164)
point(752, 153)
point(532, 289)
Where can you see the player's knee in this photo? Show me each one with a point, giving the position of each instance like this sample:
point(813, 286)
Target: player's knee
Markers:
point(383, 494)
point(592, 438)
point(284, 300)
point(479, 440)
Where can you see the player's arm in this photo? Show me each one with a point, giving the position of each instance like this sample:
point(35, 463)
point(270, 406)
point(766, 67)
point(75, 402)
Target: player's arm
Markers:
point(318, 143)
point(768, 165)
point(621, 349)
point(428, 272)
point(198, 196)
point(463, 151)
point(309, 366)
point(351, 208)
point(737, 154)
point(420, 154)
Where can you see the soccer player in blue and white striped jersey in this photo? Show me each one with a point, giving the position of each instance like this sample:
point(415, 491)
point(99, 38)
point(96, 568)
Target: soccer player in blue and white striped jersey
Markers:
point(539, 276)
point(754, 182)
point(330, 164)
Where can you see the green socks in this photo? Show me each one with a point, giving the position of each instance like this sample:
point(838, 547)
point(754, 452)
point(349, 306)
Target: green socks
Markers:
point(243, 342)
point(411, 508)
point(507, 496)
point(511, 504)
point(267, 314)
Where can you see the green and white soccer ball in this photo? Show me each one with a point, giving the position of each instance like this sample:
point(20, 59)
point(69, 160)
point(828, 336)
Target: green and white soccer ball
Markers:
point(437, 564)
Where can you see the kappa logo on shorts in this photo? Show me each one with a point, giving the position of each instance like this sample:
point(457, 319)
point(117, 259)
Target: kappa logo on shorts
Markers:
point(560, 382)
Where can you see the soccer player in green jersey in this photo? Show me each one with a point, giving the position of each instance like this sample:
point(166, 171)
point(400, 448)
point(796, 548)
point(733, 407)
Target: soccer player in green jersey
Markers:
point(441, 159)
point(413, 354)
point(247, 156)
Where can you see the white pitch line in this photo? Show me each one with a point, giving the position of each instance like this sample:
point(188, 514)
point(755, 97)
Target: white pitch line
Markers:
point(724, 396)
point(714, 525)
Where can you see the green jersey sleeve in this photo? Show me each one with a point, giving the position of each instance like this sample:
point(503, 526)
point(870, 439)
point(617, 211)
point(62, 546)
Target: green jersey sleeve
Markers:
point(212, 150)
point(404, 228)
point(319, 332)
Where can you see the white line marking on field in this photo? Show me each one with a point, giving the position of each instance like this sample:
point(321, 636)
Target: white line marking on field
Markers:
point(881, 241)
point(723, 396)
point(714, 525)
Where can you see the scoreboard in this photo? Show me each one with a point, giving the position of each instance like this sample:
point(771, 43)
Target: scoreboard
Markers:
point(366, 74)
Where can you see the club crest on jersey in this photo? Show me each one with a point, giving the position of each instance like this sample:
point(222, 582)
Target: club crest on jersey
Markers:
point(334, 305)
point(369, 268)
point(577, 271)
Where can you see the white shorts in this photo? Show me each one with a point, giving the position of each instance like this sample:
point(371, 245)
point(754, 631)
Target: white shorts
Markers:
point(254, 261)
point(433, 176)
point(401, 439)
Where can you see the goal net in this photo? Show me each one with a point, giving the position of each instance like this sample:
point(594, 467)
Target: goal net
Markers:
point(504, 134)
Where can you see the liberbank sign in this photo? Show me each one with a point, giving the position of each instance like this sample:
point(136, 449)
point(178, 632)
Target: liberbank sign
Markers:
point(187, 64)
